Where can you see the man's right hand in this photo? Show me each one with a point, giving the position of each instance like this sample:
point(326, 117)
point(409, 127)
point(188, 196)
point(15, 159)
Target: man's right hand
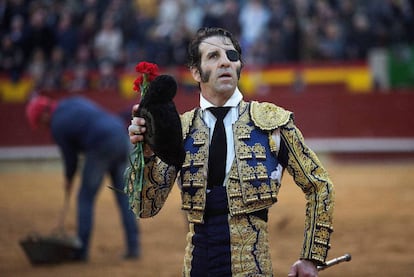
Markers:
point(137, 127)
point(136, 132)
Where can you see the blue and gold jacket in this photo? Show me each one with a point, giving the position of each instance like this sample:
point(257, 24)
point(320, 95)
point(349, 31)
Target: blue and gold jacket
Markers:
point(251, 183)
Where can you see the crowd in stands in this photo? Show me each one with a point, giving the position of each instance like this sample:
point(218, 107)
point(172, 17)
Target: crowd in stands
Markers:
point(46, 39)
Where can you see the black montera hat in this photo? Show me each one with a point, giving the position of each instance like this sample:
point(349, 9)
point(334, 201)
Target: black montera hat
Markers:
point(164, 132)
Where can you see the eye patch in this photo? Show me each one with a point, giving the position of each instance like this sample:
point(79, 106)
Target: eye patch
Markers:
point(232, 55)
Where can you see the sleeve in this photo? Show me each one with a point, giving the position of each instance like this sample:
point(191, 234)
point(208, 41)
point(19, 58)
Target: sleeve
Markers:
point(159, 179)
point(309, 174)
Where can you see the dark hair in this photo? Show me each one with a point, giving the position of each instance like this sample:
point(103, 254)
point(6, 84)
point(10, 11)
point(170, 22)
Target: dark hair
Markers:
point(194, 55)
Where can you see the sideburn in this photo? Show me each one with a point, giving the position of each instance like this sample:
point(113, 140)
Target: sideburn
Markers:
point(205, 76)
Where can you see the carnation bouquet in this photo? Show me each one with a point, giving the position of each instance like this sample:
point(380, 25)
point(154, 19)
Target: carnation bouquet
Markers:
point(163, 129)
point(135, 171)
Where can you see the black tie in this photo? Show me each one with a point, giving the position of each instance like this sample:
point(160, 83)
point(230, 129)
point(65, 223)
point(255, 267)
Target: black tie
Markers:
point(218, 149)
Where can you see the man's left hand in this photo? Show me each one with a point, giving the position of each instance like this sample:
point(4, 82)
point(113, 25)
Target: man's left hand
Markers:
point(303, 268)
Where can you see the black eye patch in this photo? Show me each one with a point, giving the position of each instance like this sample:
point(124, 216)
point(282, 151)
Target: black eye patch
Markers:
point(232, 55)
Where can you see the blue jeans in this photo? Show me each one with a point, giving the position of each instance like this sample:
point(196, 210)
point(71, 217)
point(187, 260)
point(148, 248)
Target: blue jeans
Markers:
point(109, 156)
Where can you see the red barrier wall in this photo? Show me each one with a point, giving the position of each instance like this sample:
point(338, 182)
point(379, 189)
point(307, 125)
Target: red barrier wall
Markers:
point(320, 112)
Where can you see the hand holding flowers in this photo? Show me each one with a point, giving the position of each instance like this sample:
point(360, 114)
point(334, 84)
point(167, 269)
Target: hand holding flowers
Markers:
point(135, 171)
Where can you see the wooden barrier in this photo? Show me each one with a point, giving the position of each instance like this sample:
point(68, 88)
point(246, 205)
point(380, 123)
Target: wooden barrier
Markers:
point(320, 112)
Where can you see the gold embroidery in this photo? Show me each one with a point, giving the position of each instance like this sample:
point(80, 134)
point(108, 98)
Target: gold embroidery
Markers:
point(268, 116)
point(261, 172)
point(187, 160)
point(309, 174)
point(195, 203)
point(187, 179)
point(199, 138)
point(244, 151)
point(186, 120)
point(242, 132)
point(199, 158)
point(243, 197)
point(195, 216)
point(246, 171)
point(233, 188)
point(186, 201)
point(154, 193)
point(199, 199)
point(259, 151)
point(272, 144)
point(195, 180)
point(188, 257)
point(249, 246)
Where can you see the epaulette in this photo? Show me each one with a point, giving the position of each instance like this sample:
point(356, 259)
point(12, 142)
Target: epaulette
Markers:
point(186, 121)
point(268, 116)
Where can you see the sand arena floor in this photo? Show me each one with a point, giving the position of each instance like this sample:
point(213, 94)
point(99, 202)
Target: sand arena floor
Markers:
point(374, 221)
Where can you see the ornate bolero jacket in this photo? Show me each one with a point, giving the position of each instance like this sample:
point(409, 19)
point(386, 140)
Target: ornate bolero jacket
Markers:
point(254, 179)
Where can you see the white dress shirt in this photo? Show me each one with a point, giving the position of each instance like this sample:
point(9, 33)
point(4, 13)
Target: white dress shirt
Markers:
point(228, 121)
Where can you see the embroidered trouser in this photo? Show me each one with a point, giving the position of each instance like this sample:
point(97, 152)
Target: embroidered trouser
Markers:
point(227, 245)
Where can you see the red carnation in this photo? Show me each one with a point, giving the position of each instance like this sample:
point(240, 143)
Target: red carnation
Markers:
point(147, 68)
point(138, 83)
point(149, 72)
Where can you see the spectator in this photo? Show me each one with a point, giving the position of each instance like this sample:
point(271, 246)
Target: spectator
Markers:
point(66, 35)
point(17, 31)
point(87, 29)
point(84, 57)
point(54, 72)
point(158, 47)
point(97, 7)
point(275, 39)
point(121, 11)
point(107, 77)
point(108, 42)
point(213, 13)
point(291, 39)
point(37, 67)
point(80, 82)
point(137, 34)
point(150, 30)
point(229, 20)
point(253, 18)
point(40, 36)
point(392, 20)
point(168, 14)
point(359, 39)
point(10, 9)
point(180, 37)
point(11, 58)
point(194, 14)
point(331, 43)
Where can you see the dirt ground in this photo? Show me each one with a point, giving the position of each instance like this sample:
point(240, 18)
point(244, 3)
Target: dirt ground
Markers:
point(373, 221)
